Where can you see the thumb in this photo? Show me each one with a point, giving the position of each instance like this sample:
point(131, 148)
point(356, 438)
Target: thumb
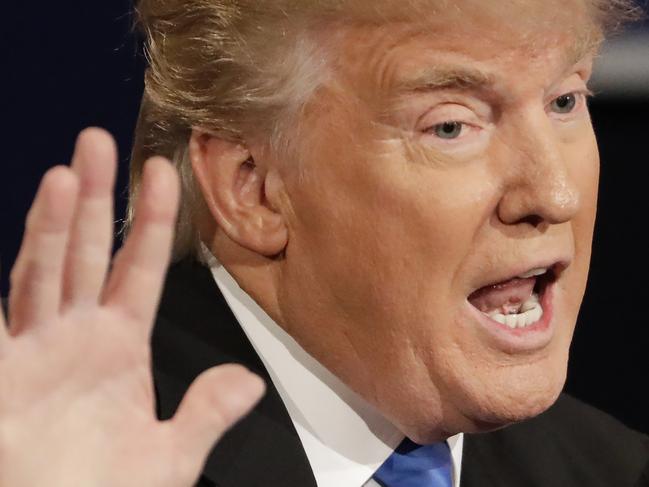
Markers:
point(217, 399)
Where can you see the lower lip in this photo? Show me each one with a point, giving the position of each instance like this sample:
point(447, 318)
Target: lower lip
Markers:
point(519, 340)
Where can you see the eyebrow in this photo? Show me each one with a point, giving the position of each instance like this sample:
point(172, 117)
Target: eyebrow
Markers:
point(445, 77)
point(461, 77)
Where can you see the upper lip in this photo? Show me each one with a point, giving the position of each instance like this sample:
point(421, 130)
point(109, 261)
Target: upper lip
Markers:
point(556, 266)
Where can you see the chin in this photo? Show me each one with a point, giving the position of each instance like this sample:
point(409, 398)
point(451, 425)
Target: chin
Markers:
point(494, 400)
point(519, 394)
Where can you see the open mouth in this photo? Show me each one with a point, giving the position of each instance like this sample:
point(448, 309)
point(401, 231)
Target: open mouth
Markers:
point(516, 302)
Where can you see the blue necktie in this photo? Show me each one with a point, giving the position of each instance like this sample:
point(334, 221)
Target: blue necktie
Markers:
point(412, 465)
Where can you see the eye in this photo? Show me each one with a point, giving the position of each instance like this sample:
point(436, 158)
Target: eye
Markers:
point(564, 103)
point(448, 130)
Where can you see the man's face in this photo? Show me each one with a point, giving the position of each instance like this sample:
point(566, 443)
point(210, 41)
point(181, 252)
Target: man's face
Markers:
point(440, 171)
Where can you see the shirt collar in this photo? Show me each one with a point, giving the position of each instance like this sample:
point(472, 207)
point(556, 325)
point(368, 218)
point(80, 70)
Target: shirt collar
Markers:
point(345, 439)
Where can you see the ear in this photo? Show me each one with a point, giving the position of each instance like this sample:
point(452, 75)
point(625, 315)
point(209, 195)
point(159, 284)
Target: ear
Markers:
point(234, 188)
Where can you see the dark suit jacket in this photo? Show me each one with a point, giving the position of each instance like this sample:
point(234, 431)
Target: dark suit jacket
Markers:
point(571, 445)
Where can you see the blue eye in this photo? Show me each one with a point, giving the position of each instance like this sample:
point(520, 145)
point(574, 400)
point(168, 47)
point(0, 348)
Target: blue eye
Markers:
point(565, 103)
point(448, 130)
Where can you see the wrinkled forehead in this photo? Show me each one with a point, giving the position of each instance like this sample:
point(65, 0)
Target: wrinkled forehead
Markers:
point(535, 35)
point(518, 16)
point(528, 23)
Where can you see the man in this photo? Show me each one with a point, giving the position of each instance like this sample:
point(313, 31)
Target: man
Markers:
point(396, 201)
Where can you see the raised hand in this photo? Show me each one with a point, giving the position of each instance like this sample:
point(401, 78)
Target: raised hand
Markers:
point(76, 396)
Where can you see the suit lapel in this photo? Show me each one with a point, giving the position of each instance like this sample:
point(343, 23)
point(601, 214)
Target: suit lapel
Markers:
point(196, 330)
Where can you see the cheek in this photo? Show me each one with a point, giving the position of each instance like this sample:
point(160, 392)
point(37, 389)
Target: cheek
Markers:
point(375, 254)
point(585, 173)
point(405, 225)
point(584, 165)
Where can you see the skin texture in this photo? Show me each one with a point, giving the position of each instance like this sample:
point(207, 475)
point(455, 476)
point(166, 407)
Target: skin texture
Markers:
point(76, 392)
point(365, 242)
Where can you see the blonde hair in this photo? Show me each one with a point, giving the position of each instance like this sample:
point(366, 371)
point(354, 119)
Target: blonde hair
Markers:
point(240, 67)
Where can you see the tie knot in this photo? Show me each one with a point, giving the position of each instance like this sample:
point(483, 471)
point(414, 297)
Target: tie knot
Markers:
point(413, 465)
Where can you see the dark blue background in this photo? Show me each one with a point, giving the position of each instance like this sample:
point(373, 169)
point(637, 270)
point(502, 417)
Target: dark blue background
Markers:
point(68, 65)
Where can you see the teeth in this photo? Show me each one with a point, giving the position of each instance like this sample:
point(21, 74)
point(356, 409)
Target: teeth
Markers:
point(530, 303)
point(533, 273)
point(500, 318)
point(531, 312)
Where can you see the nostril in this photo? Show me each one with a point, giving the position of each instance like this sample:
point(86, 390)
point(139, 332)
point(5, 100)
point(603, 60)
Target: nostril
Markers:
point(532, 220)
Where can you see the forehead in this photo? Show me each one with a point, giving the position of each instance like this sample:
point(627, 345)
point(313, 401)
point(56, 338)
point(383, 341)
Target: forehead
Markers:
point(516, 14)
point(467, 45)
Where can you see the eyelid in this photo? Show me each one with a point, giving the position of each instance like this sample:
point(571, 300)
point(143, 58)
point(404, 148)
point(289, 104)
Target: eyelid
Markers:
point(442, 113)
point(583, 91)
point(583, 94)
point(469, 132)
point(579, 110)
point(468, 125)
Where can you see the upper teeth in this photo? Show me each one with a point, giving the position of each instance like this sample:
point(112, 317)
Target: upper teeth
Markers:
point(533, 273)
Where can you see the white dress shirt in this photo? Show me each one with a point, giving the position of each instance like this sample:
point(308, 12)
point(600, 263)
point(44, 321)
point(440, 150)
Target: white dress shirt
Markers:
point(345, 439)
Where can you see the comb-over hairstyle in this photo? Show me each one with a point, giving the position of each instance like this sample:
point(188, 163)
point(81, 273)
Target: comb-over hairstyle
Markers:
point(241, 67)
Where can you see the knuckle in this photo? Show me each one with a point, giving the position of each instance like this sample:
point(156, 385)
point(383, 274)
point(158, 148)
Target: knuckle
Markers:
point(27, 274)
point(223, 406)
point(221, 417)
point(213, 408)
point(36, 269)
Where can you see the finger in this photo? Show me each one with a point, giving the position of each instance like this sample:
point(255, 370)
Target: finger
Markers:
point(91, 236)
point(4, 334)
point(217, 399)
point(35, 293)
point(136, 281)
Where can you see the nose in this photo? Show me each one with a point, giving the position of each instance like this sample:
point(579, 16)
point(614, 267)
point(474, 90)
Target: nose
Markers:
point(539, 188)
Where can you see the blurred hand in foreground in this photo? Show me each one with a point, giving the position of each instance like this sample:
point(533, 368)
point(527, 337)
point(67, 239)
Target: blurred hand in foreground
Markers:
point(77, 405)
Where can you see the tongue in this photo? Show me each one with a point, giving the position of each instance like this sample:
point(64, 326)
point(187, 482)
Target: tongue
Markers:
point(504, 296)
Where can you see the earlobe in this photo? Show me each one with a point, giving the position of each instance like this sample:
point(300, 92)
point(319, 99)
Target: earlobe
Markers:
point(234, 188)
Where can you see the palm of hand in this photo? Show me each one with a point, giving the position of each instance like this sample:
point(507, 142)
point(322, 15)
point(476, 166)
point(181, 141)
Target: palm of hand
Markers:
point(77, 405)
point(75, 386)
